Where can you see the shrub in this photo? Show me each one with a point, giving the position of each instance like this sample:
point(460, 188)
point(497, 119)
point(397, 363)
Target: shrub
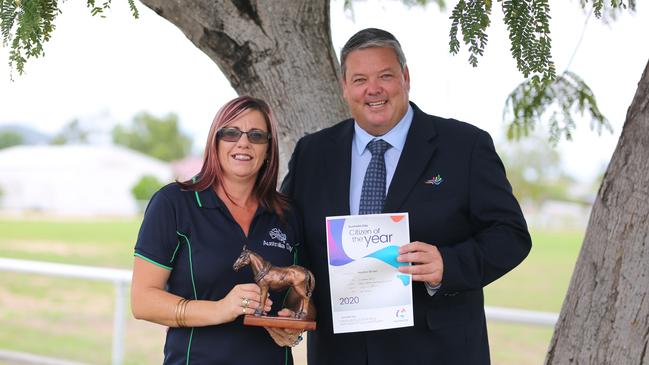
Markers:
point(144, 189)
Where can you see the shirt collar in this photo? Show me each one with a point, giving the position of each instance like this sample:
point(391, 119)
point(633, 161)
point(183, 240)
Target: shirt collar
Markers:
point(396, 137)
point(208, 199)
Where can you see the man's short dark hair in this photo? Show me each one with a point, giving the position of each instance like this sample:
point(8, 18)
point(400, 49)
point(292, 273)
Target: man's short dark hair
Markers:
point(371, 38)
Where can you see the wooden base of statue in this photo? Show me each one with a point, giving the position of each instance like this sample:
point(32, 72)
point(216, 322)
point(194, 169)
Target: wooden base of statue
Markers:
point(279, 322)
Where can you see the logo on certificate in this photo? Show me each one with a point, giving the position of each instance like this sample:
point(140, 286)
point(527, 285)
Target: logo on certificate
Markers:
point(401, 313)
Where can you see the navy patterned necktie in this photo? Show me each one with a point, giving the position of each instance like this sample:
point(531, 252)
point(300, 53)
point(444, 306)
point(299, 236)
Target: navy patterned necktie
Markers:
point(373, 191)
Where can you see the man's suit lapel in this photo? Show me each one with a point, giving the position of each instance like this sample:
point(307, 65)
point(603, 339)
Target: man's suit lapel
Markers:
point(418, 150)
point(338, 167)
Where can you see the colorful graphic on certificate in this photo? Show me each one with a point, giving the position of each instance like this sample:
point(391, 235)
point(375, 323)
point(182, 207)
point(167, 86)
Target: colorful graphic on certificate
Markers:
point(367, 290)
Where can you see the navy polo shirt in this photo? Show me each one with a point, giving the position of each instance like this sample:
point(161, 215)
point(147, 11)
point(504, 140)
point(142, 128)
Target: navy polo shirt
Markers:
point(193, 235)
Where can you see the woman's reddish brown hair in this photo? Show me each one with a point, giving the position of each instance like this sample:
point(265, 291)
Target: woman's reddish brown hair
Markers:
point(211, 173)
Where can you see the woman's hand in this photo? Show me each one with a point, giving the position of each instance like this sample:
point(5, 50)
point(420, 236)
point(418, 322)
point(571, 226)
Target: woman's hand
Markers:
point(243, 299)
point(150, 301)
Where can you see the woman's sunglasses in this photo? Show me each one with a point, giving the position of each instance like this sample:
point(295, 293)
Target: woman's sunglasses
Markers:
point(255, 136)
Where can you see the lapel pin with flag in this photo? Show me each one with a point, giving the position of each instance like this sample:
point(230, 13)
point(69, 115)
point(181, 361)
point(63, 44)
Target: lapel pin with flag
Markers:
point(435, 181)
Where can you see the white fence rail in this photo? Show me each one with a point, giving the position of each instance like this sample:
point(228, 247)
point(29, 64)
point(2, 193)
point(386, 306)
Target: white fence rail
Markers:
point(122, 279)
point(521, 316)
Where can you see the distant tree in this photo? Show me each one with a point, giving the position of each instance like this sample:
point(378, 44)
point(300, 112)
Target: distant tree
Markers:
point(10, 139)
point(144, 189)
point(157, 137)
point(71, 133)
point(534, 170)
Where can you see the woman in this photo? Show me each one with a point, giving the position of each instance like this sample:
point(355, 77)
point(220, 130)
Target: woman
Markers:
point(193, 232)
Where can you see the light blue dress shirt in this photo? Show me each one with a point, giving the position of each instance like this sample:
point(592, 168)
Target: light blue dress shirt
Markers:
point(361, 157)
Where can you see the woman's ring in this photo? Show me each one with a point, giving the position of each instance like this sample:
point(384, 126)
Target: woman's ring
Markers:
point(245, 302)
point(243, 310)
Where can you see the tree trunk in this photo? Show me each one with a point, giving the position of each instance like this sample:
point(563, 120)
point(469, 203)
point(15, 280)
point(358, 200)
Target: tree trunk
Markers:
point(279, 51)
point(605, 316)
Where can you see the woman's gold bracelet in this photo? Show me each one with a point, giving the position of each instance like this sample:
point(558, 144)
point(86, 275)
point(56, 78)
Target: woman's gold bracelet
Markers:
point(180, 312)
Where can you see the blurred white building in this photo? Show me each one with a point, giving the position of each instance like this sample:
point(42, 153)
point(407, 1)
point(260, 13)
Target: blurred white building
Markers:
point(80, 180)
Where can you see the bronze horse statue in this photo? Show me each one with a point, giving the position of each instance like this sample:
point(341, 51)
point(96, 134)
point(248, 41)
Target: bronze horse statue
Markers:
point(272, 277)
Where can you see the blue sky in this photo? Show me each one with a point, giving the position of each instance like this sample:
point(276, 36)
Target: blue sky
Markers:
point(103, 71)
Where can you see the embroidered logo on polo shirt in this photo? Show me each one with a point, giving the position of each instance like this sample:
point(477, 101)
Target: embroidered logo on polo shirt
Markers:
point(277, 235)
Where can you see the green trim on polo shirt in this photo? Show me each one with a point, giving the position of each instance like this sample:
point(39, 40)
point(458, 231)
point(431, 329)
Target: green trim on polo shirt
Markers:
point(173, 257)
point(153, 262)
point(191, 265)
point(189, 346)
point(191, 271)
point(198, 199)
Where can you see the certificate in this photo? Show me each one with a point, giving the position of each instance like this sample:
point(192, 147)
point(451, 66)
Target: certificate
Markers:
point(367, 290)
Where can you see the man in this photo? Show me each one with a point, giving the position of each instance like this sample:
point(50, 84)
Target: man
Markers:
point(466, 226)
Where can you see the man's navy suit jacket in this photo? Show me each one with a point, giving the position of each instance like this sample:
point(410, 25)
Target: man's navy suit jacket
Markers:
point(453, 185)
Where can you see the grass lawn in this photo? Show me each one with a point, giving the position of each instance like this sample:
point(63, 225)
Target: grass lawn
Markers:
point(107, 243)
point(72, 318)
point(539, 283)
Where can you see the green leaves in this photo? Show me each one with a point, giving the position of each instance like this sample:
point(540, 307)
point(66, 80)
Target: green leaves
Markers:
point(134, 11)
point(600, 9)
point(544, 94)
point(561, 98)
point(7, 19)
point(100, 9)
point(94, 9)
point(528, 23)
point(472, 17)
point(26, 25)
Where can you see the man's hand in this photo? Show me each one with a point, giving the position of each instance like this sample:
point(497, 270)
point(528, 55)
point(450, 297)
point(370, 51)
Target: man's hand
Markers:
point(427, 264)
point(285, 337)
